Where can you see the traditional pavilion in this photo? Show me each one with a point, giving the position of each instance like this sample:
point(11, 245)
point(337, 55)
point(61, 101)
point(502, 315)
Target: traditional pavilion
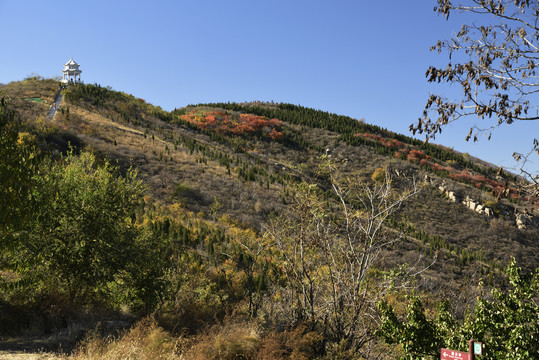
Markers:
point(71, 71)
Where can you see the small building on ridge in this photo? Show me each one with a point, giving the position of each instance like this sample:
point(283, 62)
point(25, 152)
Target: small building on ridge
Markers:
point(71, 71)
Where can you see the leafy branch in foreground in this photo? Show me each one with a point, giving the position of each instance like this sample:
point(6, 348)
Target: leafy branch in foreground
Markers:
point(507, 323)
point(499, 82)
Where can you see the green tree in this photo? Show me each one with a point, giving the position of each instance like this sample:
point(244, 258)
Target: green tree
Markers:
point(494, 62)
point(83, 236)
point(18, 163)
point(507, 323)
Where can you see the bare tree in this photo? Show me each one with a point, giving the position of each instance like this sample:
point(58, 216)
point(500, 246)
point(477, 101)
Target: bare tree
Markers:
point(329, 245)
point(496, 73)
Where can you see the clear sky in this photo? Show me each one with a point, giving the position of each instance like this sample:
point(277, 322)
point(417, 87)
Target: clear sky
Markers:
point(364, 59)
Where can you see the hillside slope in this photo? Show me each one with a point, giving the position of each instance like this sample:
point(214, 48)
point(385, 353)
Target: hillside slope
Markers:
point(243, 160)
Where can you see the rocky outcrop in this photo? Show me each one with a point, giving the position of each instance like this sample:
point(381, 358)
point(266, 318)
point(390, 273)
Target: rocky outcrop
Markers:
point(477, 207)
point(468, 201)
point(451, 195)
point(525, 220)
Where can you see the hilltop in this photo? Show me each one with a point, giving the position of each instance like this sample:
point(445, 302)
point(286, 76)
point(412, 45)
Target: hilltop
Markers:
point(238, 166)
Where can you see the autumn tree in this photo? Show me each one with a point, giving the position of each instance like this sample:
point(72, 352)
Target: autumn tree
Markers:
point(493, 62)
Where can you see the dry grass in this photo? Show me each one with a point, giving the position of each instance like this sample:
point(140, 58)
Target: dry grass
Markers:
point(163, 163)
point(228, 342)
point(10, 355)
point(16, 92)
point(145, 341)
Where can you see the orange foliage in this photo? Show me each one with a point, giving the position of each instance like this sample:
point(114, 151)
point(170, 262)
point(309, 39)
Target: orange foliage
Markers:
point(275, 135)
point(223, 123)
point(462, 176)
point(389, 143)
point(415, 155)
point(437, 167)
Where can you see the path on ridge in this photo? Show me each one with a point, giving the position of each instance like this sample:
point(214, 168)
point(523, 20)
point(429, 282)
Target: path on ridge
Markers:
point(57, 102)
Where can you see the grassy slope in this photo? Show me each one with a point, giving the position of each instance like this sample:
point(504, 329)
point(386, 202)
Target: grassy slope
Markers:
point(209, 173)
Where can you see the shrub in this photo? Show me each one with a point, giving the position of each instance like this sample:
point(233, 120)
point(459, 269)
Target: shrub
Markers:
point(379, 175)
point(82, 240)
point(491, 204)
point(18, 160)
point(415, 155)
point(506, 320)
point(225, 123)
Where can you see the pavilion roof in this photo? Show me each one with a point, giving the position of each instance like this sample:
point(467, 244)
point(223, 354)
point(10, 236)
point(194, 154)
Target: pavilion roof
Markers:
point(71, 62)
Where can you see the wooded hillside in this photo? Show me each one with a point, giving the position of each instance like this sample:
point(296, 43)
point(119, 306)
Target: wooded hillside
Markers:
point(266, 230)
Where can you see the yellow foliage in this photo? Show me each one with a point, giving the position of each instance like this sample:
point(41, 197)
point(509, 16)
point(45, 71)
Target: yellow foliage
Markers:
point(227, 220)
point(379, 175)
point(25, 139)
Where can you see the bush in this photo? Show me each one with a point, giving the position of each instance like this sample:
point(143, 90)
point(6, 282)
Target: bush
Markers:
point(379, 175)
point(506, 322)
point(18, 162)
point(82, 240)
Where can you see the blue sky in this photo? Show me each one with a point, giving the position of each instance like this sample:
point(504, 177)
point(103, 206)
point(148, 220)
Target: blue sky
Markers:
point(364, 59)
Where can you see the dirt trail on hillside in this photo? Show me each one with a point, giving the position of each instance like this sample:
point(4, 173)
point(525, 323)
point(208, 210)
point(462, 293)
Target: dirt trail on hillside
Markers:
point(14, 355)
point(30, 348)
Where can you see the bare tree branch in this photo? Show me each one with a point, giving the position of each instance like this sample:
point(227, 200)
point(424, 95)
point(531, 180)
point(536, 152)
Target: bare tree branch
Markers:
point(338, 243)
point(499, 80)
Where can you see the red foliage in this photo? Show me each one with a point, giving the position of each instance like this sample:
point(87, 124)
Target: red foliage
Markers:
point(275, 135)
point(449, 169)
point(223, 123)
point(389, 143)
point(462, 176)
point(437, 167)
point(415, 155)
point(480, 178)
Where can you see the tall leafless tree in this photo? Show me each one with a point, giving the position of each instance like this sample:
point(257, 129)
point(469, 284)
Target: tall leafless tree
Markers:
point(329, 246)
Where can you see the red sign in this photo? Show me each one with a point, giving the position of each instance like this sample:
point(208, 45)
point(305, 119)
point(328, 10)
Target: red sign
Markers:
point(447, 354)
